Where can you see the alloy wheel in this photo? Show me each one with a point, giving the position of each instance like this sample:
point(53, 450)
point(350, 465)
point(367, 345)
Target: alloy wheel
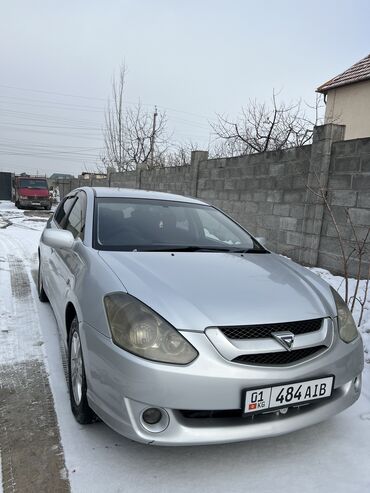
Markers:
point(76, 367)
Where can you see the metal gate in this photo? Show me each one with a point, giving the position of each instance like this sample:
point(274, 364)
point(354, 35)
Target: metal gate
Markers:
point(5, 186)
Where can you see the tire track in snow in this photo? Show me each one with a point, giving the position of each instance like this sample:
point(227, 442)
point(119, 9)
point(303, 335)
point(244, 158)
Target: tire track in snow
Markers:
point(32, 455)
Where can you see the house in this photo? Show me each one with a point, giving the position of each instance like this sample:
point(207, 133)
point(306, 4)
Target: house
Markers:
point(60, 176)
point(87, 175)
point(347, 98)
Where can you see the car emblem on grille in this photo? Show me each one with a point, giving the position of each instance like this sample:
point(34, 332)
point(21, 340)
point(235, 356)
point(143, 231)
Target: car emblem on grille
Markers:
point(286, 339)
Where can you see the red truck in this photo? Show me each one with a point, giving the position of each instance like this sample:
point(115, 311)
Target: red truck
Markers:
point(31, 192)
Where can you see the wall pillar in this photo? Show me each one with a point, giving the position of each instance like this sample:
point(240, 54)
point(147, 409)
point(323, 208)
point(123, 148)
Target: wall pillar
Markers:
point(318, 174)
point(138, 176)
point(196, 158)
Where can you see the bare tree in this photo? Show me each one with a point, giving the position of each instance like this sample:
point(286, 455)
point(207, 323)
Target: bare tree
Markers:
point(263, 128)
point(146, 141)
point(179, 155)
point(362, 301)
point(358, 249)
point(114, 155)
point(132, 136)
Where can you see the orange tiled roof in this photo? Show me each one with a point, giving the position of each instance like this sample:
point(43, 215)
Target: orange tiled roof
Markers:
point(358, 72)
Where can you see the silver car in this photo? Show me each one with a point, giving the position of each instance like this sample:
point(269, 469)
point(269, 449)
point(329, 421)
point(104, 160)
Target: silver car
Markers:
point(182, 329)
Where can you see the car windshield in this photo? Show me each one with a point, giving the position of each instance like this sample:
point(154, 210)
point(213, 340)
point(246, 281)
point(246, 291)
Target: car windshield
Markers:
point(161, 225)
point(32, 183)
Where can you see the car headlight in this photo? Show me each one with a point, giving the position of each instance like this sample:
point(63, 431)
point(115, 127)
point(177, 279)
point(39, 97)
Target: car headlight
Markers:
point(139, 330)
point(347, 326)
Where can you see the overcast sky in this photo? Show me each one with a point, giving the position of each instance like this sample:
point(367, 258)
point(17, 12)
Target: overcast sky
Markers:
point(191, 57)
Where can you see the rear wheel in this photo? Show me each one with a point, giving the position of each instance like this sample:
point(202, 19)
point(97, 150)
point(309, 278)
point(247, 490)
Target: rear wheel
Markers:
point(77, 378)
point(40, 287)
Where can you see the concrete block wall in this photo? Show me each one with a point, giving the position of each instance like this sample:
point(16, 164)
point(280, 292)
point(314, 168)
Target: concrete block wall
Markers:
point(177, 179)
point(122, 180)
point(264, 192)
point(348, 194)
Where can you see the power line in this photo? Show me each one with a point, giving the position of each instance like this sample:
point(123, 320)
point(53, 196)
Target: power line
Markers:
point(51, 92)
point(54, 104)
point(42, 116)
point(57, 134)
point(102, 99)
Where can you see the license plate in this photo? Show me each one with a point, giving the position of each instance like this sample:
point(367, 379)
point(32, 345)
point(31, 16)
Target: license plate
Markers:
point(35, 203)
point(260, 400)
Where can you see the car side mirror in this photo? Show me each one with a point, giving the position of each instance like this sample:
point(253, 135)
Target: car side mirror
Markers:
point(261, 240)
point(59, 238)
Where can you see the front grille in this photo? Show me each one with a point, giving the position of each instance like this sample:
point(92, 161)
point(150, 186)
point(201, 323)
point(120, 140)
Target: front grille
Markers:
point(263, 331)
point(280, 358)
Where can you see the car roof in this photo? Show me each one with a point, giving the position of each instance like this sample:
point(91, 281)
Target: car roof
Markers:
point(142, 194)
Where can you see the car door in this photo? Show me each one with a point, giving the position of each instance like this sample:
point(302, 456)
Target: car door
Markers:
point(49, 260)
point(70, 262)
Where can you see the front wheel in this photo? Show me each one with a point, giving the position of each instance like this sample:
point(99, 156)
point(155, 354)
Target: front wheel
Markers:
point(77, 378)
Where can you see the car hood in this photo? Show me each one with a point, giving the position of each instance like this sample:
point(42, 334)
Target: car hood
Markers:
point(195, 290)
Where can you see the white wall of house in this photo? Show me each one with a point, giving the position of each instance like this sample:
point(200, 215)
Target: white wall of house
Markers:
point(350, 106)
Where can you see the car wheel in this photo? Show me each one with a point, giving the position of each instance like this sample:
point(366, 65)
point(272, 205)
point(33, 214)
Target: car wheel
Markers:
point(40, 286)
point(77, 378)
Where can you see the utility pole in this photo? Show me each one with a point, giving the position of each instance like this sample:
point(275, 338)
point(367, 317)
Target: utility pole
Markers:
point(153, 137)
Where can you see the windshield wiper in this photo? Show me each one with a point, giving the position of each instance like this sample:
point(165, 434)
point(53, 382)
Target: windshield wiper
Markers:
point(179, 248)
point(251, 250)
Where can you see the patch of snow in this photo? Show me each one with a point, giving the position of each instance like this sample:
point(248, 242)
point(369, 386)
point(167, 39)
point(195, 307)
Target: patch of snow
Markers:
point(19, 332)
point(1, 475)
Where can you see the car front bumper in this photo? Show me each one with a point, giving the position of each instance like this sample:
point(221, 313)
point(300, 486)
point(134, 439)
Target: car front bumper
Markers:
point(121, 386)
point(35, 202)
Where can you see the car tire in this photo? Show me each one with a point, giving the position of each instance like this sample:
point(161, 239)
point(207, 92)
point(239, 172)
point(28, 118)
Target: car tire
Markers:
point(40, 286)
point(77, 378)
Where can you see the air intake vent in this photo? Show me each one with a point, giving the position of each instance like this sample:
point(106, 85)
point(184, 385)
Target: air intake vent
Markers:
point(263, 331)
point(279, 358)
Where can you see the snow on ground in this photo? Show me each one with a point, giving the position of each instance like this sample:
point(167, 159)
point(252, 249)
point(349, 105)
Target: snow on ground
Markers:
point(1, 476)
point(331, 456)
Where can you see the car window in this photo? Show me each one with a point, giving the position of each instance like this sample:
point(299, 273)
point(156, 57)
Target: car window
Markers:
point(214, 229)
point(62, 212)
point(75, 222)
point(28, 183)
point(145, 224)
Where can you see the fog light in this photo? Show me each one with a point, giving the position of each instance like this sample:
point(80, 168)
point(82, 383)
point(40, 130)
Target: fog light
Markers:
point(154, 419)
point(152, 415)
